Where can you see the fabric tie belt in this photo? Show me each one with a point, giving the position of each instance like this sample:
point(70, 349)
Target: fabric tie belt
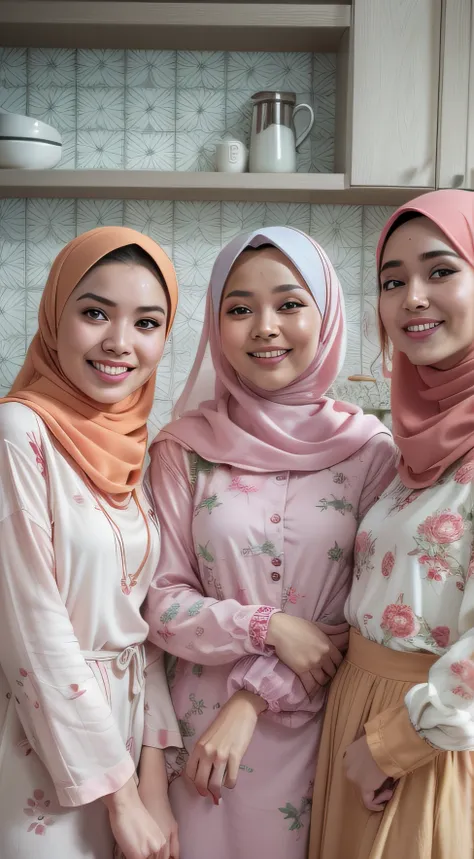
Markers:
point(131, 658)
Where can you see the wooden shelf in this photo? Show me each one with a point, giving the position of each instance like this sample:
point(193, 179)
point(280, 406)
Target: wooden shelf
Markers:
point(184, 26)
point(158, 185)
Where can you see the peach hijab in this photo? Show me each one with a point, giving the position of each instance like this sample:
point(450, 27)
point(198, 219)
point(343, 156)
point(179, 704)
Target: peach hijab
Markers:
point(107, 442)
point(433, 410)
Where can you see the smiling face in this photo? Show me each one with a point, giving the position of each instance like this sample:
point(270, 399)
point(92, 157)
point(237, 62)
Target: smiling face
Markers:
point(427, 295)
point(112, 331)
point(269, 321)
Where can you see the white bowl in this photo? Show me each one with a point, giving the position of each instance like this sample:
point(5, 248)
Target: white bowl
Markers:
point(28, 154)
point(28, 143)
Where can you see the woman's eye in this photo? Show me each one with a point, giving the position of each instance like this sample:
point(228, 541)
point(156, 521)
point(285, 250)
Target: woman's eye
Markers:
point(96, 315)
point(442, 272)
point(391, 284)
point(148, 324)
point(238, 311)
point(291, 305)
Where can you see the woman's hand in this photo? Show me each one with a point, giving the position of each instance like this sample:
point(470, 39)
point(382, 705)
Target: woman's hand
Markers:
point(217, 755)
point(160, 810)
point(153, 792)
point(137, 835)
point(375, 788)
point(303, 647)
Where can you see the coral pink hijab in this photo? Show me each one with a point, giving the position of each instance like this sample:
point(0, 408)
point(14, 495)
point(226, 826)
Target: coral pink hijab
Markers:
point(107, 442)
point(297, 428)
point(433, 410)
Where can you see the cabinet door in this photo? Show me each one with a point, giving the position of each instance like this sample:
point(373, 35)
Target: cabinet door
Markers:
point(396, 54)
point(453, 133)
point(469, 184)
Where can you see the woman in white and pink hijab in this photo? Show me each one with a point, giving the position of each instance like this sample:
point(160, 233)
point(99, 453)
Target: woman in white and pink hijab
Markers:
point(259, 492)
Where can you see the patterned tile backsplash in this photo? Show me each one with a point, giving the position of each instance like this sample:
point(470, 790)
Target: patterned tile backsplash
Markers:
point(165, 110)
point(162, 110)
point(33, 231)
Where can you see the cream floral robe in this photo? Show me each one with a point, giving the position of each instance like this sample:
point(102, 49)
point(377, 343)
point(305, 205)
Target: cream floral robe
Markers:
point(72, 661)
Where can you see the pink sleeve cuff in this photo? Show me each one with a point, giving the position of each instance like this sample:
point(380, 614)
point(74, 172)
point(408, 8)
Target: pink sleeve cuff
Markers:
point(257, 675)
point(95, 788)
point(258, 628)
point(161, 739)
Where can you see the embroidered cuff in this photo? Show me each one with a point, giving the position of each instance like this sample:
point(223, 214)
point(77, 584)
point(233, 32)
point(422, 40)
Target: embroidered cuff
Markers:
point(258, 628)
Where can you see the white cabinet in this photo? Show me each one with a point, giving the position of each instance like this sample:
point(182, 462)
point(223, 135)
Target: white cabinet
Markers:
point(452, 169)
point(411, 94)
point(456, 113)
point(469, 175)
point(394, 90)
point(404, 100)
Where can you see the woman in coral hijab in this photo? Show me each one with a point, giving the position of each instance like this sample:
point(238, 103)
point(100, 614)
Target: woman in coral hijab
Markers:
point(79, 545)
point(259, 491)
point(395, 774)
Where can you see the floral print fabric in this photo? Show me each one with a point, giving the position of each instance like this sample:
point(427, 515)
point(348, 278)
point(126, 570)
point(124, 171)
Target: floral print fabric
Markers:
point(414, 590)
point(73, 703)
point(236, 547)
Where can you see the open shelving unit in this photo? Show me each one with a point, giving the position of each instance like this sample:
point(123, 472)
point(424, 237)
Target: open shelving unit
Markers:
point(196, 26)
point(193, 26)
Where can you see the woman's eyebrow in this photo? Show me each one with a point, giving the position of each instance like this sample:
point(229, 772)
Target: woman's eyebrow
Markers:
point(440, 253)
point(396, 263)
point(152, 308)
point(92, 297)
point(244, 293)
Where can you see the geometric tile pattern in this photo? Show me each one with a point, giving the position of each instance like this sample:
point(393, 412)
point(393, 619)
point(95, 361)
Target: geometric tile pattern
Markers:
point(162, 110)
point(33, 231)
point(165, 110)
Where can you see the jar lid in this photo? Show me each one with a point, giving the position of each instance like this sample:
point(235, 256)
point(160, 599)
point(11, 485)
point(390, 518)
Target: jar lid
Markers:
point(268, 95)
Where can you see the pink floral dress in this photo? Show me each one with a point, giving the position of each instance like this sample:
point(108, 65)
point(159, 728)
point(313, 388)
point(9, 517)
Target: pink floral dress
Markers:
point(236, 546)
point(414, 590)
point(72, 662)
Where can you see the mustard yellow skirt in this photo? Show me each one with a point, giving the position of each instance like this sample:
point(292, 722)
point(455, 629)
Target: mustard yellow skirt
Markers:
point(430, 814)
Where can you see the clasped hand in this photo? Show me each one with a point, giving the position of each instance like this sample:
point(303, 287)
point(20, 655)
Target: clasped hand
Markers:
point(306, 647)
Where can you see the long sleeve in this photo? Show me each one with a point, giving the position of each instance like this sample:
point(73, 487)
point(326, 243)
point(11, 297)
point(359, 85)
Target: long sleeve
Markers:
point(161, 726)
point(61, 707)
point(277, 684)
point(395, 745)
point(442, 710)
point(436, 716)
point(181, 617)
point(282, 689)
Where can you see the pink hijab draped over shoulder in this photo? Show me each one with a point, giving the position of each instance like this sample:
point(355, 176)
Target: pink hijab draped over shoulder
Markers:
point(433, 410)
point(297, 428)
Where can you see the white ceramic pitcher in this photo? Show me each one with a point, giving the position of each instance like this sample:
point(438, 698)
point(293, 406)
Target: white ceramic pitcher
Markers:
point(273, 142)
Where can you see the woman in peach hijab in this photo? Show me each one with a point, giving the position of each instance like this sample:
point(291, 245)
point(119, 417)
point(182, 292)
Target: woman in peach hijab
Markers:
point(395, 775)
point(79, 545)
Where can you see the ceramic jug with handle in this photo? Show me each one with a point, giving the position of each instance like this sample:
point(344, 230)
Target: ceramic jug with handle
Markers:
point(273, 140)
